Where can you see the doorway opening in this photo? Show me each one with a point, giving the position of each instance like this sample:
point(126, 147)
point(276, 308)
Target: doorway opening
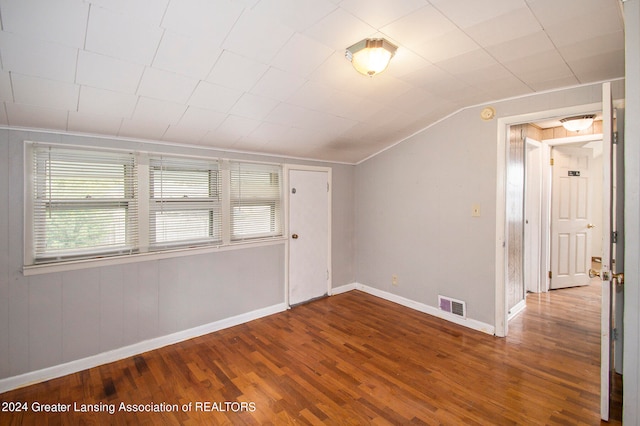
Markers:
point(517, 138)
point(507, 242)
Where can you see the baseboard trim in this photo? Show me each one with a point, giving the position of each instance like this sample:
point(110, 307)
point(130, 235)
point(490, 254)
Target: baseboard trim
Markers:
point(55, 371)
point(421, 307)
point(71, 367)
point(343, 289)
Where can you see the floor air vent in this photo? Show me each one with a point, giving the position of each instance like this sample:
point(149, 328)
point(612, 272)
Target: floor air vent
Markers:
point(453, 306)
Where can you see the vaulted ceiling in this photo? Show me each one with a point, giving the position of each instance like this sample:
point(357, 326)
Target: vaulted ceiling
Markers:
point(269, 76)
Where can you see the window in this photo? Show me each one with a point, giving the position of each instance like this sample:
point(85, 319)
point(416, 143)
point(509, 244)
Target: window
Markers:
point(185, 202)
point(84, 203)
point(255, 200)
point(91, 203)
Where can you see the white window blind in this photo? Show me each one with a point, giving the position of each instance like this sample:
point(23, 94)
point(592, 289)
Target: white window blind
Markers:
point(84, 203)
point(185, 202)
point(255, 200)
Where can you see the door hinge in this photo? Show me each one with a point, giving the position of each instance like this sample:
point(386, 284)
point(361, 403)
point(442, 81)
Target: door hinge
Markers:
point(550, 275)
point(614, 140)
point(614, 334)
point(551, 161)
point(327, 186)
point(614, 237)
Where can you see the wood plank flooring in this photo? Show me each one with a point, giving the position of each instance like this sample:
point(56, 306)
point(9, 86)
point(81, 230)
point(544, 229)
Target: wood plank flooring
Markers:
point(349, 359)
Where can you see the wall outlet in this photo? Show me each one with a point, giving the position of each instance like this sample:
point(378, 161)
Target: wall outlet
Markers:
point(394, 279)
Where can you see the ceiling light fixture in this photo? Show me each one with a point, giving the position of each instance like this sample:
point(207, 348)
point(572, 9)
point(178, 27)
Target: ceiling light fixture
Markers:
point(370, 56)
point(577, 123)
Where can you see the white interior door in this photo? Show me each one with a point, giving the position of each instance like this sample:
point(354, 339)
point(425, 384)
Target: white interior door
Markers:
point(612, 294)
point(571, 224)
point(309, 204)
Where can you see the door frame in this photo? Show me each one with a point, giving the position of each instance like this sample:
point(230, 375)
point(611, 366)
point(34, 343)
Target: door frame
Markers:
point(503, 125)
point(534, 234)
point(287, 168)
point(554, 143)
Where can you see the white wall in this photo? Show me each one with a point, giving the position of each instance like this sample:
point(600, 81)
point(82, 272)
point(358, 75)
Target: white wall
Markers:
point(413, 206)
point(54, 318)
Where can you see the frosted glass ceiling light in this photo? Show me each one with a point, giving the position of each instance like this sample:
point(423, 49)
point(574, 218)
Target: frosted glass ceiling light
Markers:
point(577, 123)
point(370, 56)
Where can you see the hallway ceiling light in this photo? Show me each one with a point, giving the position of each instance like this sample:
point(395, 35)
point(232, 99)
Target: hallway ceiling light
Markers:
point(370, 56)
point(578, 123)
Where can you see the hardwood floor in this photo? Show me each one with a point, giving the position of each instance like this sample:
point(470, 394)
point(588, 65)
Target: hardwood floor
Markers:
point(349, 359)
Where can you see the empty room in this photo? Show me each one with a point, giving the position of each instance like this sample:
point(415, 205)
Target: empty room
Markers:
point(319, 212)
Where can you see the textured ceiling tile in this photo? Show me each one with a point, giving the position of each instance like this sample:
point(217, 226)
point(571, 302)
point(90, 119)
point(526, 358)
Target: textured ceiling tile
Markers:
point(301, 55)
point(550, 12)
point(236, 127)
point(419, 27)
point(277, 84)
point(154, 109)
point(545, 66)
point(256, 37)
point(550, 84)
point(514, 24)
point(598, 67)
point(467, 13)
point(106, 102)
point(184, 134)
point(36, 117)
point(62, 21)
point(166, 85)
point(296, 14)
point(447, 46)
point(44, 93)
point(254, 107)
point(38, 58)
point(266, 132)
point(379, 13)
point(121, 37)
point(201, 118)
point(506, 87)
point(93, 123)
point(522, 47)
point(143, 129)
point(591, 20)
point(104, 72)
point(186, 56)
point(214, 97)
point(208, 20)
point(405, 61)
point(149, 12)
point(6, 93)
point(4, 120)
point(274, 71)
point(237, 72)
point(474, 60)
point(608, 43)
point(339, 30)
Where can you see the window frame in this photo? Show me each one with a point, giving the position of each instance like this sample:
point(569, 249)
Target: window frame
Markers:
point(41, 203)
point(144, 249)
point(209, 204)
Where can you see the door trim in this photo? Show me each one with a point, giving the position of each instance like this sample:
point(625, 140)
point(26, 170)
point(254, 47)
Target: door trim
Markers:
point(288, 168)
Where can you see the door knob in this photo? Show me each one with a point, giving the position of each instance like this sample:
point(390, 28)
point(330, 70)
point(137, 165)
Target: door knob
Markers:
point(593, 273)
point(294, 236)
point(619, 278)
point(590, 225)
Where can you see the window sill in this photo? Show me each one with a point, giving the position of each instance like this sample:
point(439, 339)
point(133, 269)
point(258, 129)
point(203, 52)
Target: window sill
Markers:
point(72, 265)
